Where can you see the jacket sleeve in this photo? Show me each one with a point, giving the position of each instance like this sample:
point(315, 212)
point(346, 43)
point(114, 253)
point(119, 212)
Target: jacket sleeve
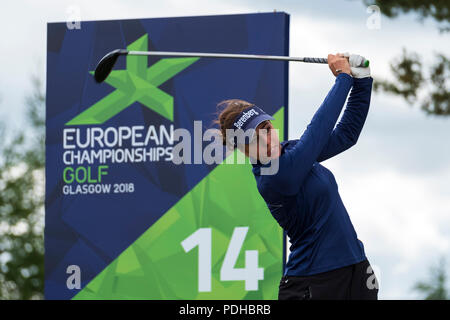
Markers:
point(347, 131)
point(295, 163)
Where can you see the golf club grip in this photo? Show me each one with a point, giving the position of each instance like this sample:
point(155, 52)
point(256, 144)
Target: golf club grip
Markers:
point(364, 63)
point(315, 60)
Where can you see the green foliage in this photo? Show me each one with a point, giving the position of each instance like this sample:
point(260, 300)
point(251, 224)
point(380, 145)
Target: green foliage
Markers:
point(407, 70)
point(435, 287)
point(438, 101)
point(438, 10)
point(22, 204)
point(410, 80)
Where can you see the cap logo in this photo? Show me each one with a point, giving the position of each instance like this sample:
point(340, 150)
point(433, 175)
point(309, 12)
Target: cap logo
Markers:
point(245, 116)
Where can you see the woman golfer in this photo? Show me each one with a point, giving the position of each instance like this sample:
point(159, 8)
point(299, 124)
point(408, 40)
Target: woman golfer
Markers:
point(327, 261)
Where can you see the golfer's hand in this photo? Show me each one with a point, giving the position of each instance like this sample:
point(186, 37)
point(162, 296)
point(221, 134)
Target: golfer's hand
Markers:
point(338, 64)
point(355, 61)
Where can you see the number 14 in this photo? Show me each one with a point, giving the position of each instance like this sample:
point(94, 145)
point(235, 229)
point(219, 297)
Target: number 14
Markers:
point(250, 274)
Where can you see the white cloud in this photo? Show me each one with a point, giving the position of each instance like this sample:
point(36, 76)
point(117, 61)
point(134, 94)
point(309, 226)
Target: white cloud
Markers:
point(399, 218)
point(396, 206)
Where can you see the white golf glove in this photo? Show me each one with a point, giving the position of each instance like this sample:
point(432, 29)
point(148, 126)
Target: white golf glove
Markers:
point(355, 61)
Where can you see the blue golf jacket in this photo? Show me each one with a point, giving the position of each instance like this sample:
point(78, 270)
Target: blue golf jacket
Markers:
point(303, 195)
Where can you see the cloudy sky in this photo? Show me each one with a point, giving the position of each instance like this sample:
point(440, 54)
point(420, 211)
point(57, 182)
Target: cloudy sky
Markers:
point(395, 182)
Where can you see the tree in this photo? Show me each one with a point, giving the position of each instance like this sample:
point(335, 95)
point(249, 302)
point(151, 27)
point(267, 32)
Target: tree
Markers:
point(411, 82)
point(22, 160)
point(438, 10)
point(410, 79)
point(435, 288)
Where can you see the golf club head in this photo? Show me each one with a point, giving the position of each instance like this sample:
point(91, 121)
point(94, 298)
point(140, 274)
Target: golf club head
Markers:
point(106, 64)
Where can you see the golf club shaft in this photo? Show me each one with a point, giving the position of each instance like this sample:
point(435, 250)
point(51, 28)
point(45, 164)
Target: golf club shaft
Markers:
point(106, 64)
point(233, 56)
point(225, 55)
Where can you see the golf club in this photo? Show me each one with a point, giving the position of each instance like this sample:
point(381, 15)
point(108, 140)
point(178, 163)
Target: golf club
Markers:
point(106, 64)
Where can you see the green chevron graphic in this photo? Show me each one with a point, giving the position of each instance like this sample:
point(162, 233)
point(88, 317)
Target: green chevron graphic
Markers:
point(156, 266)
point(138, 83)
